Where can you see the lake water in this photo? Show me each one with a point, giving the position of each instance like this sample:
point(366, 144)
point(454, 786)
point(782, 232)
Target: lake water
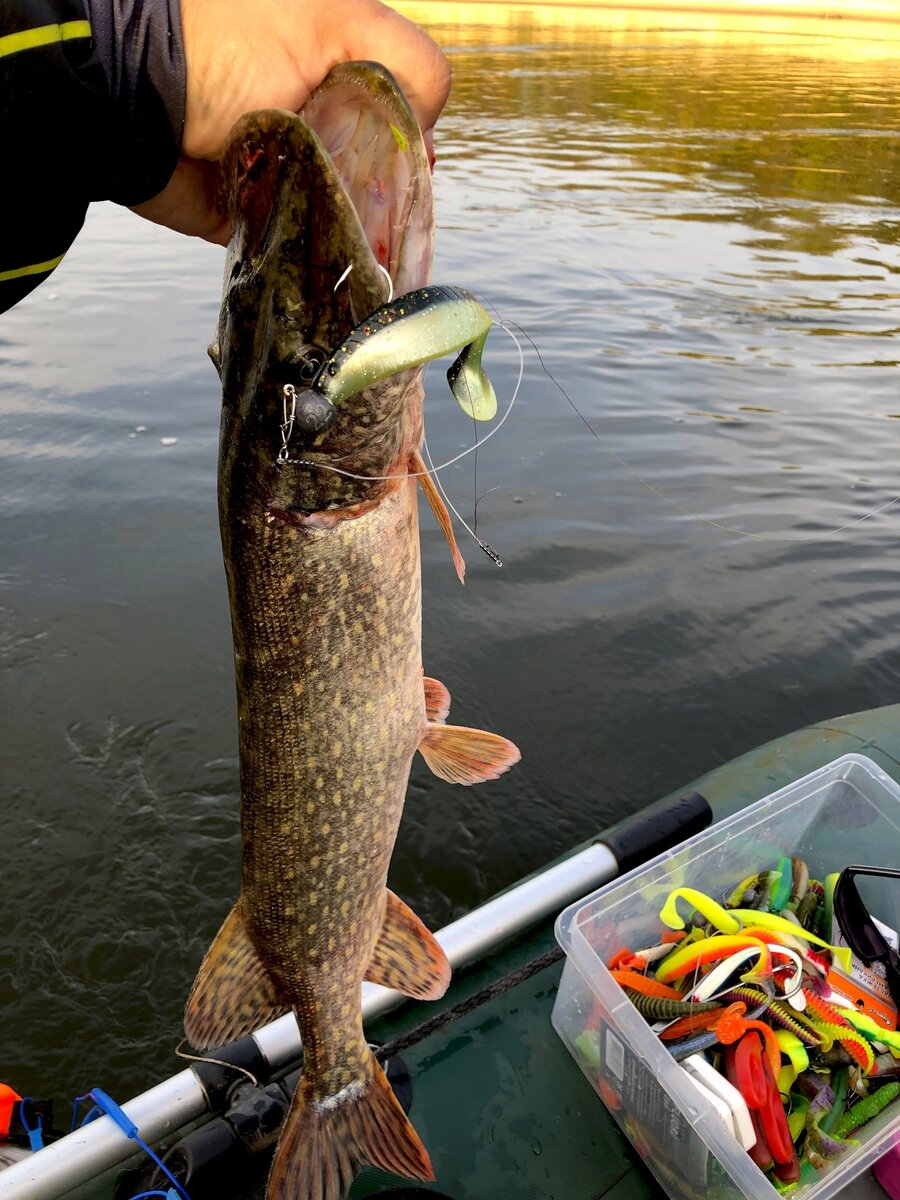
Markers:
point(699, 230)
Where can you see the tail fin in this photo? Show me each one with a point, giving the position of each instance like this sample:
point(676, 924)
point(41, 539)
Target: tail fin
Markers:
point(325, 1143)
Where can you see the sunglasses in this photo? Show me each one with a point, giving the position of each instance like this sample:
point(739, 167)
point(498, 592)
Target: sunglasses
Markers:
point(863, 936)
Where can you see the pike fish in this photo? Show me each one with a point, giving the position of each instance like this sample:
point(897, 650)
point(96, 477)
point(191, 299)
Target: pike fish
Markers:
point(324, 583)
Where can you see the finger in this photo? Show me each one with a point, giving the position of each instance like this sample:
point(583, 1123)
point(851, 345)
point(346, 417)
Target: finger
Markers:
point(187, 203)
point(369, 30)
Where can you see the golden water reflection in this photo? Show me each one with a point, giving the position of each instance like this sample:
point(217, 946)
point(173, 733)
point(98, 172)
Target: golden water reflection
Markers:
point(698, 217)
point(792, 116)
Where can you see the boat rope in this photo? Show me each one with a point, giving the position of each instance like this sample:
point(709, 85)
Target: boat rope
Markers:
point(399, 1044)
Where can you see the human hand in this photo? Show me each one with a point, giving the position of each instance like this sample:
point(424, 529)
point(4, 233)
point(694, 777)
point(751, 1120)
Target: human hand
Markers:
point(248, 54)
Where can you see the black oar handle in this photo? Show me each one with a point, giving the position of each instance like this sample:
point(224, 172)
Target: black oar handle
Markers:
point(657, 828)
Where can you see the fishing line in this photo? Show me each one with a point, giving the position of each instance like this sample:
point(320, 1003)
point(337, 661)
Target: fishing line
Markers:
point(764, 536)
point(311, 462)
point(219, 1062)
point(384, 272)
point(474, 472)
point(507, 327)
point(489, 550)
point(433, 471)
point(438, 482)
point(479, 500)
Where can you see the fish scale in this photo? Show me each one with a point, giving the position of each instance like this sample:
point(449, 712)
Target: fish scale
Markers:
point(324, 717)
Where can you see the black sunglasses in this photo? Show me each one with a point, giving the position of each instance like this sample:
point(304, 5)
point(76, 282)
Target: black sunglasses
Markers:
point(863, 936)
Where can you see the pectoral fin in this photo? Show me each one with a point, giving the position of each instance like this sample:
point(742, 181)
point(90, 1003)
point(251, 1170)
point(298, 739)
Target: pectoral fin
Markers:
point(466, 756)
point(233, 993)
point(406, 956)
point(439, 508)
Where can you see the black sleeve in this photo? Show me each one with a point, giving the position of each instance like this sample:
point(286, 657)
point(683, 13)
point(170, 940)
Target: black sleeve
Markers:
point(92, 97)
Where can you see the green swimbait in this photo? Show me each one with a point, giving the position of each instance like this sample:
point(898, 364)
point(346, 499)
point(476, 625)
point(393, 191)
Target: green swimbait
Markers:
point(406, 332)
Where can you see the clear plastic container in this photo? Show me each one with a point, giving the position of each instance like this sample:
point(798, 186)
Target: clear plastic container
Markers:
point(847, 812)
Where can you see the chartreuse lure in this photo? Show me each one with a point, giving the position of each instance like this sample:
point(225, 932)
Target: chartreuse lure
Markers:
point(731, 921)
point(871, 1030)
point(797, 1115)
point(797, 1055)
point(782, 925)
point(406, 332)
point(866, 1109)
point(715, 914)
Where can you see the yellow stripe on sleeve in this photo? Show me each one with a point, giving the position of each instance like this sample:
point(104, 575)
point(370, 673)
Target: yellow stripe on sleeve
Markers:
point(43, 35)
point(35, 269)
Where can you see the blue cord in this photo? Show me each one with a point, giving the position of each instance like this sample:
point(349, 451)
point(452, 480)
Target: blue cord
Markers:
point(171, 1194)
point(35, 1134)
point(128, 1127)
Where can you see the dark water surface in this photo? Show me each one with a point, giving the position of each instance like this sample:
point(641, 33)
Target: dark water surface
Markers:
point(700, 232)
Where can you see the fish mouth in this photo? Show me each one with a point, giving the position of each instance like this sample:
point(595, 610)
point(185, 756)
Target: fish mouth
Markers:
point(331, 212)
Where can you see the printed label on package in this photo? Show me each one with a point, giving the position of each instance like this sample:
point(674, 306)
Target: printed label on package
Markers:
point(652, 1121)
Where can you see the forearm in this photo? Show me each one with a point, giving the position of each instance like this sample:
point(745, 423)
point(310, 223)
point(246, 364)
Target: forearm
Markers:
point(91, 107)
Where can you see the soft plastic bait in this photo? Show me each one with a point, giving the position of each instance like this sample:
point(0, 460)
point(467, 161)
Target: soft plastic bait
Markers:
point(404, 333)
point(866, 1109)
point(688, 959)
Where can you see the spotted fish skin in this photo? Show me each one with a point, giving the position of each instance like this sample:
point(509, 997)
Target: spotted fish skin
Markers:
point(324, 582)
point(328, 730)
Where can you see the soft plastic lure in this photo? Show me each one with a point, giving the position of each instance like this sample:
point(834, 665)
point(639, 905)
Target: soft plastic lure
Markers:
point(659, 1008)
point(779, 1014)
point(799, 883)
point(688, 959)
point(684, 1026)
point(860, 1113)
point(406, 332)
point(834, 1025)
point(780, 892)
point(751, 916)
point(808, 906)
point(745, 891)
point(820, 1144)
point(793, 1049)
point(721, 918)
point(715, 980)
point(637, 982)
point(840, 1087)
point(871, 1030)
point(732, 921)
point(749, 1069)
point(797, 1115)
point(728, 1026)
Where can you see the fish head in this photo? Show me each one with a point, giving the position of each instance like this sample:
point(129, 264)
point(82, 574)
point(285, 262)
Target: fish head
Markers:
point(331, 210)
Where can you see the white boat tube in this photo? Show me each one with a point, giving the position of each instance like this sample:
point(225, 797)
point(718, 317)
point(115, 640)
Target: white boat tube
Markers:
point(89, 1152)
